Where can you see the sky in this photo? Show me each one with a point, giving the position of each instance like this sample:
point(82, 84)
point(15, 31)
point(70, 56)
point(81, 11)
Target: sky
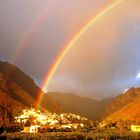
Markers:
point(102, 63)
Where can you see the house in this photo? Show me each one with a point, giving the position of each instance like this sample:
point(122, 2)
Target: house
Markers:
point(135, 128)
point(31, 129)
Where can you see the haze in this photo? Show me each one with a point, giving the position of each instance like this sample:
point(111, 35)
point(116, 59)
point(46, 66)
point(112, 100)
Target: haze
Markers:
point(104, 61)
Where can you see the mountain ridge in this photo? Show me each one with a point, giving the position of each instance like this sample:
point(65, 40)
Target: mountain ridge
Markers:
point(18, 90)
point(122, 100)
point(130, 109)
point(84, 106)
point(20, 87)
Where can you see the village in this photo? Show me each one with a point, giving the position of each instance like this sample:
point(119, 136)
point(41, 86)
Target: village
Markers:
point(31, 120)
point(34, 121)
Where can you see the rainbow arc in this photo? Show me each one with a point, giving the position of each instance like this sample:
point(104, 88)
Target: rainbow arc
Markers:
point(70, 44)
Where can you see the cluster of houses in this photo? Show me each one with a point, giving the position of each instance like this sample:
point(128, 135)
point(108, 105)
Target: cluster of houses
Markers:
point(35, 120)
point(135, 128)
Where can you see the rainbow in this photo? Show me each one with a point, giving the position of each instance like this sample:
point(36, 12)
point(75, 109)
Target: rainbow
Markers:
point(35, 25)
point(70, 44)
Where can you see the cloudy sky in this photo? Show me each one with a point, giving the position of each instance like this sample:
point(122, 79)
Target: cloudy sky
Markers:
point(102, 63)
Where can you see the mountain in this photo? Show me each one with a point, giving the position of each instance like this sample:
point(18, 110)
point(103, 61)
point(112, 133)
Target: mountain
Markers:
point(14, 74)
point(83, 106)
point(125, 106)
point(122, 100)
point(18, 91)
point(9, 107)
point(18, 88)
point(129, 112)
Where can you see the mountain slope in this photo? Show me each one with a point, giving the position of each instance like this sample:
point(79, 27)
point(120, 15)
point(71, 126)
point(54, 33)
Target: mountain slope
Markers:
point(122, 100)
point(9, 107)
point(9, 104)
point(21, 88)
point(14, 74)
point(129, 112)
point(89, 108)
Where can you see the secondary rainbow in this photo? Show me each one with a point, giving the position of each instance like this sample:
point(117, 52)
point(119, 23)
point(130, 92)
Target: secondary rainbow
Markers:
point(70, 44)
point(24, 43)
